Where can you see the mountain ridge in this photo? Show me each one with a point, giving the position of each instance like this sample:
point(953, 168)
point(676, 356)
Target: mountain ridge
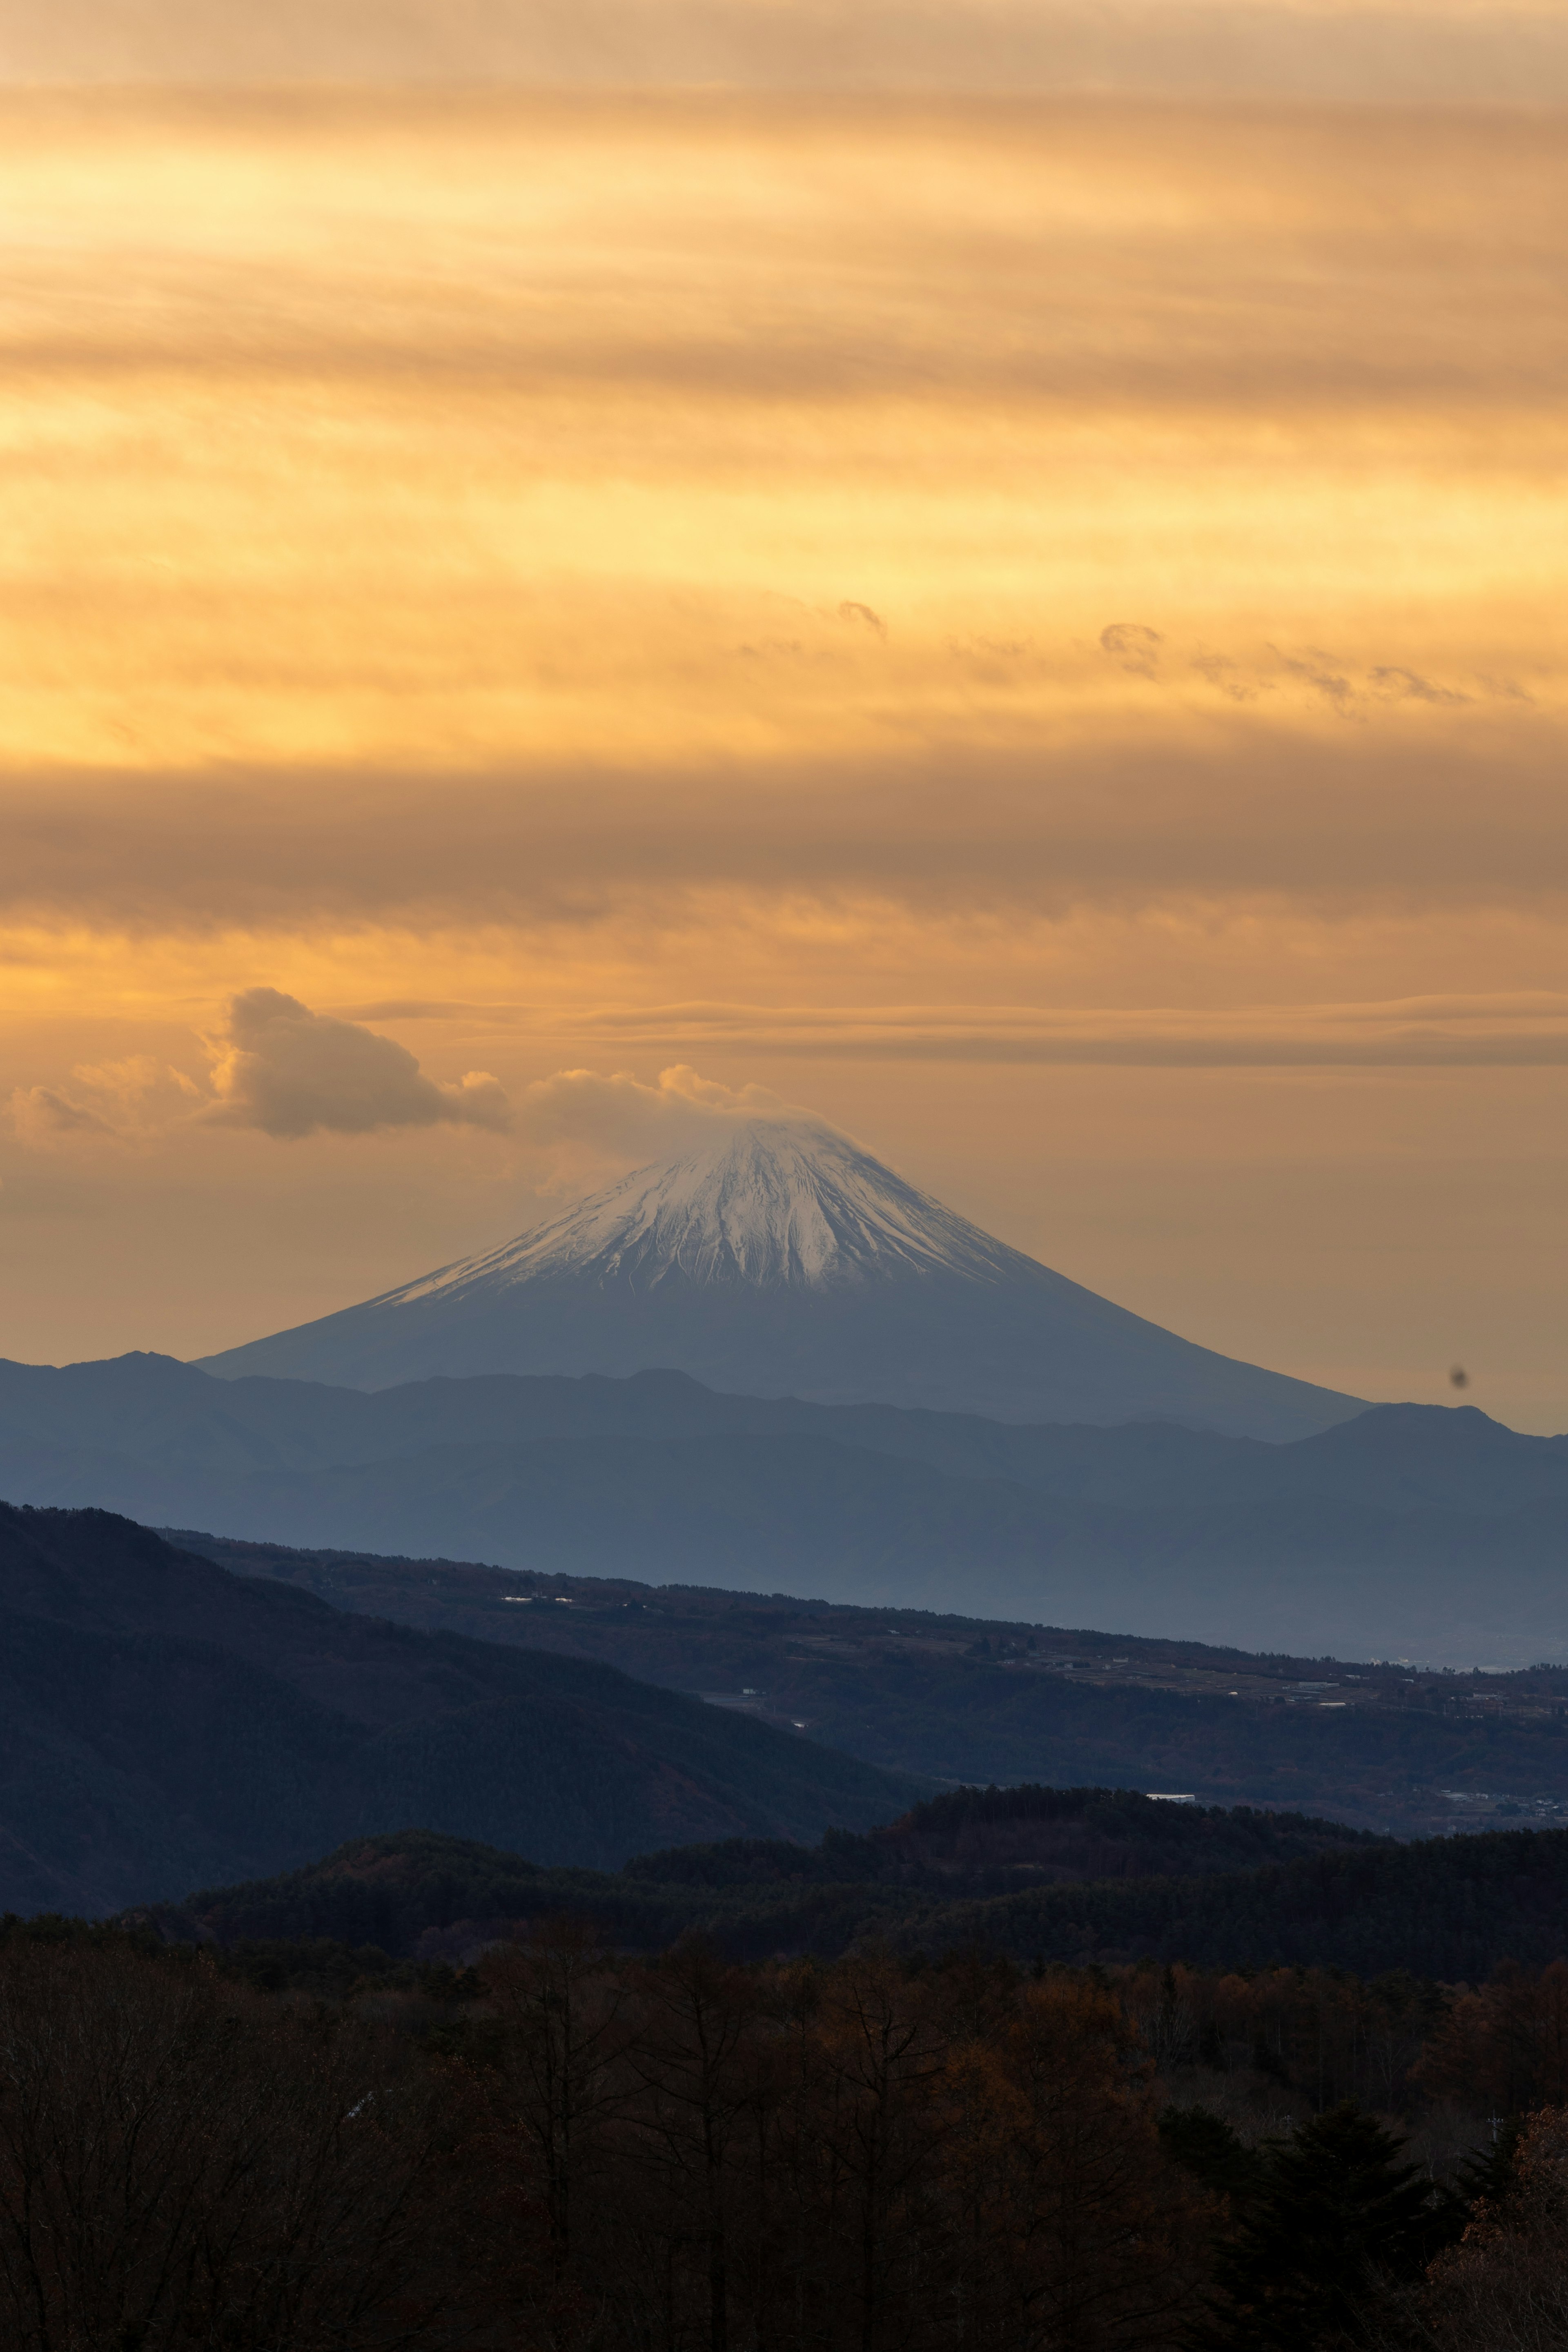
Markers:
point(1410, 1530)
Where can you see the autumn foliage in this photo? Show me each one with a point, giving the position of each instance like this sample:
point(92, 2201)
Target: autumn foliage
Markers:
point(598, 2155)
point(562, 2148)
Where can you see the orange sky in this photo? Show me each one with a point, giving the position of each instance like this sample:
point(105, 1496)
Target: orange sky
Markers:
point(1032, 626)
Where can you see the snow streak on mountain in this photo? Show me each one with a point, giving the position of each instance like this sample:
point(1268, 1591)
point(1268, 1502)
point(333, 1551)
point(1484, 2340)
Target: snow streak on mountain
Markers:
point(780, 1259)
point(773, 1204)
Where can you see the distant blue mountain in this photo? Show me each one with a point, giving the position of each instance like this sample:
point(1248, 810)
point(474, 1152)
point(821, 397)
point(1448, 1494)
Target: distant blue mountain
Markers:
point(1417, 1531)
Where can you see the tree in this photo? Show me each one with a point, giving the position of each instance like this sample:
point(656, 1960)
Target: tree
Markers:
point(881, 2051)
point(1108, 2236)
point(1507, 2043)
point(701, 2064)
point(550, 2104)
point(1338, 2216)
point(1209, 2148)
point(1504, 2287)
point(183, 2163)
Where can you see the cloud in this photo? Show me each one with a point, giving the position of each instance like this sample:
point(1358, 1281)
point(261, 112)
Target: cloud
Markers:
point(1133, 646)
point(1407, 686)
point(1499, 1030)
point(1410, 49)
point(1470, 817)
point(415, 1008)
point(1336, 691)
point(275, 1066)
point(1226, 675)
point(42, 1116)
point(619, 1112)
point(138, 1096)
point(1459, 1029)
point(584, 1120)
point(291, 1072)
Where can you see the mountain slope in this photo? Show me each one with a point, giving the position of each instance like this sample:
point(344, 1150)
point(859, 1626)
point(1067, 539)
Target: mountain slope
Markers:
point(162, 1720)
point(781, 1260)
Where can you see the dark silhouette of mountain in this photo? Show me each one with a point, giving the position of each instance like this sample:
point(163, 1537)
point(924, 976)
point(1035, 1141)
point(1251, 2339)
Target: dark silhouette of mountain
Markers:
point(1412, 1531)
point(162, 1720)
point(781, 1260)
point(1450, 1908)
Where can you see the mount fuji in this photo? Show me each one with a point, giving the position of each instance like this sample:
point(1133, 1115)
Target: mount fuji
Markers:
point(779, 1259)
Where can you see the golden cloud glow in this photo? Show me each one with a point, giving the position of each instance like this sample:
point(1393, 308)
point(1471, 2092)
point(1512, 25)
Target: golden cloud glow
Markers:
point(981, 609)
point(600, 432)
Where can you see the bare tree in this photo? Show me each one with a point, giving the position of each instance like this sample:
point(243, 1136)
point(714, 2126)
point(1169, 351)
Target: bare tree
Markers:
point(185, 2163)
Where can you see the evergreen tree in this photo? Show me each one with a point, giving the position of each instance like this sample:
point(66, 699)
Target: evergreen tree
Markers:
point(1208, 2148)
point(1338, 2216)
point(1488, 2171)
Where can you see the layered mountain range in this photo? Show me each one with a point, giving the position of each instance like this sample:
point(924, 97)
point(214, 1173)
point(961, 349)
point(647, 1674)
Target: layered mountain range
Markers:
point(1417, 1531)
point(779, 1259)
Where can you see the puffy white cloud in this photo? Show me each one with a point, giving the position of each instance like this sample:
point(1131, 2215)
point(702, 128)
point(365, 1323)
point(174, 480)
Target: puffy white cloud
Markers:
point(280, 1068)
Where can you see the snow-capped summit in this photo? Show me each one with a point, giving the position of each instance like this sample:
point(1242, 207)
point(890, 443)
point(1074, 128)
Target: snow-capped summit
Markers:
point(772, 1203)
point(777, 1258)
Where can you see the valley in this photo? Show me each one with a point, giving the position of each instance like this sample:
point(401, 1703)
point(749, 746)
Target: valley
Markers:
point(1386, 1747)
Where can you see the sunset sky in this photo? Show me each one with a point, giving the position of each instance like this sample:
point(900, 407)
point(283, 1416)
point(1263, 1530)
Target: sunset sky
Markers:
point(1004, 581)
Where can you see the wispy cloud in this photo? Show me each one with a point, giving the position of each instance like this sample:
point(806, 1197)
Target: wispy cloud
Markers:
point(1401, 50)
point(1518, 1030)
point(1183, 809)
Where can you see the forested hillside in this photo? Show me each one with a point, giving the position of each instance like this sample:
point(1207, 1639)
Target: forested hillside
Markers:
point(569, 2145)
point(162, 1721)
point(1450, 1908)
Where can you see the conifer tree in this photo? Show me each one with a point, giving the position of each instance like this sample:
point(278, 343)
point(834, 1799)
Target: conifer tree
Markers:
point(1337, 2219)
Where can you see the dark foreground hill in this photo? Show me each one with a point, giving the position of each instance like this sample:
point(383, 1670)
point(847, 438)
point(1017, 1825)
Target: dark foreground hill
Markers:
point(1287, 1891)
point(964, 1699)
point(162, 1720)
point(1407, 1531)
